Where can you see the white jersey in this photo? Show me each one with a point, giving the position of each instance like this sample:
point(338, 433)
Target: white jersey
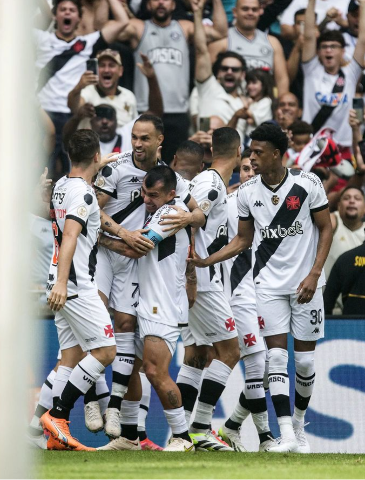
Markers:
point(73, 198)
point(209, 191)
point(237, 273)
point(350, 42)
point(42, 248)
point(318, 92)
point(60, 65)
point(285, 240)
point(122, 180)
point(161, 273)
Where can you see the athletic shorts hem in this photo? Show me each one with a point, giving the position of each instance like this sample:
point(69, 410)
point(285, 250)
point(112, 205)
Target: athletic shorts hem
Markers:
point(266, 333)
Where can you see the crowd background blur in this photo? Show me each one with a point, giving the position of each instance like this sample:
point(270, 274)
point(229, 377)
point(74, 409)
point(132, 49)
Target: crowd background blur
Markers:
point(200, 66)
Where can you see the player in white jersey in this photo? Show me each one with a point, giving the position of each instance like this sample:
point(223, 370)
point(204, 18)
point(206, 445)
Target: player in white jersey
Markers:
point(123, 215)
point(161, 275)
point(210, 318)
point(240, 292)
point(285, 212)
point(82, 321)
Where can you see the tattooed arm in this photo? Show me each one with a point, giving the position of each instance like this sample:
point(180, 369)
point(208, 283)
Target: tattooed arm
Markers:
point(118, 246)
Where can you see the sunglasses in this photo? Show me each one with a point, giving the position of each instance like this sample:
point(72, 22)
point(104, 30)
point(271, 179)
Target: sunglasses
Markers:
point(234, 69)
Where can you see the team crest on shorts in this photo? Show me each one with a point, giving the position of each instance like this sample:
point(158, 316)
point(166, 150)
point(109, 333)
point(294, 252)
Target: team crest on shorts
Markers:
point(261, 322)
point(108, 329)
point(275, 199)
point(250, 340)
point(230, 324)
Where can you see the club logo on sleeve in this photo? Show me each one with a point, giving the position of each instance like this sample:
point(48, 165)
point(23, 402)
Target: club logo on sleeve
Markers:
point(230, 324)
point(205, 205)
point(261, 322)
point(292, 203)
point(82, 211)
point(250, 340)
point(100, 182)
point(108, 329)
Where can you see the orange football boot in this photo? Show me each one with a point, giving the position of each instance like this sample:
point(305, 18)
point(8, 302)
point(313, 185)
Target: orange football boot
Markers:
point(58, 429)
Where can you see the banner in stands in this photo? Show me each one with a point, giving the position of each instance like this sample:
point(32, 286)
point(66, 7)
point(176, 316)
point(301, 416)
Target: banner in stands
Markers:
point(336, 414)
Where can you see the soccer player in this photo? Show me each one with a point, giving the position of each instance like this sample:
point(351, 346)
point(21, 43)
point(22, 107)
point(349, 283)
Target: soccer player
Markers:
point(210, 318)
point(240, 292)
point(285, 213)
point(82, 321)
point(119, 194)
point(161, 276)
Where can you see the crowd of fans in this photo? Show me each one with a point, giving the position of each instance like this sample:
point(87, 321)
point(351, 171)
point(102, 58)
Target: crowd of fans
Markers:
point(201, 66)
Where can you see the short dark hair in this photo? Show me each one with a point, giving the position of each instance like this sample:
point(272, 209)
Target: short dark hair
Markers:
point(265, 78)
point(82, 147)
point(331, 36)
point(225, 141)
point(191, 148)
point(157, 122)
point(229, 54)
point(348, 188)
point(268, 132)
point(161, 173)
point(299, 12)
point(300, 128)
point(246, 153)
point(76, 2)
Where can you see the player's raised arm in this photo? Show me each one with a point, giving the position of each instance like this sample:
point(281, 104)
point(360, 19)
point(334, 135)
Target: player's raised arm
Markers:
point(58, 295)
point(308, 286)
point(240, 242)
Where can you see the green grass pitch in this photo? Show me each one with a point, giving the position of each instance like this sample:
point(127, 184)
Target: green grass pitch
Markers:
point(196, 465)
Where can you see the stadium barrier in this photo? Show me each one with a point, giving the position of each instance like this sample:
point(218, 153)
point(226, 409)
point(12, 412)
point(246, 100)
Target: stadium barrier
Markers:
point(336, 415)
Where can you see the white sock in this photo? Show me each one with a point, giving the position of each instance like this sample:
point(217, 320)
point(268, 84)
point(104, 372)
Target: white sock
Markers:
point(144, 403)
point(122, 367)
point(176, 419)
point(86, 373)
point(61, 378)
point(102, 391)
point(188, 381)
point(286, 427)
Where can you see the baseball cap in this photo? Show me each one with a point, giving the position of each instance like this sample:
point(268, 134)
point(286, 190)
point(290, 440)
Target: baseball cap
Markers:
point(113, 54)
point(353, 5)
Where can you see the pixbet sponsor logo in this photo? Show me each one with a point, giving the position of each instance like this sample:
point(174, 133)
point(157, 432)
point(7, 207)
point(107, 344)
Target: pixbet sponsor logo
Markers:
point(282, 232)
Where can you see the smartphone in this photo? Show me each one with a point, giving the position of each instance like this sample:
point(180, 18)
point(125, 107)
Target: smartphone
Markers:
point(358, 106)
point(204, 124)
point(93, 66)
point(105, 112)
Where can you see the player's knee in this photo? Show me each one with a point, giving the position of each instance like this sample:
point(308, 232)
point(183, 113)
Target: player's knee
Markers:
point(124, 323)
point(304, 363)
point(105, 355)
point(278, 360)
point(255, 365)
point(230, 356)
point(152, 372)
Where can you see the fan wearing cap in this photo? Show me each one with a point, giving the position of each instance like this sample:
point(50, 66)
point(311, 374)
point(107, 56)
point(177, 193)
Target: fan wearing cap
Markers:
point(330, 87)
point(104, 89)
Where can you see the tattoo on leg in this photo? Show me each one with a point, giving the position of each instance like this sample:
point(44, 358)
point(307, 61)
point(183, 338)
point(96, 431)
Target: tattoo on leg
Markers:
point(197, 362)
point(174, 401)
point(153, 339)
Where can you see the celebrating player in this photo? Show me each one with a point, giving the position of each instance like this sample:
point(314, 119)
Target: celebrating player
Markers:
point(285, 213)
point(82, 321)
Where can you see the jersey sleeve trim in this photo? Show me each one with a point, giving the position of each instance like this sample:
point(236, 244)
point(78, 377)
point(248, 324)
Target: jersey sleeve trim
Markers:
point(245, 219)
point(111, 194)
point(77, 219)
point(187, 199)
point(318, 209)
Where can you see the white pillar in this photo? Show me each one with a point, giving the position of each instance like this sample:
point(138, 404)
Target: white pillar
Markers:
point(17, 157)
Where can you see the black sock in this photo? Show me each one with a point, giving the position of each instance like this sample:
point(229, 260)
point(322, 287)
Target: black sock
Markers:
point(142, 435)
point(90, 395)
point(184, 435)
point(67, 401)
point(129, 431)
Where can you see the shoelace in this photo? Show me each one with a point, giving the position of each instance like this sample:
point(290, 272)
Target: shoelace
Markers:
point(92, 412)
point(300, 434)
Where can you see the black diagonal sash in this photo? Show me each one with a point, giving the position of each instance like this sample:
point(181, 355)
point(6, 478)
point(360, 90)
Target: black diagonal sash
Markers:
point(58, 62)
point(326, 110)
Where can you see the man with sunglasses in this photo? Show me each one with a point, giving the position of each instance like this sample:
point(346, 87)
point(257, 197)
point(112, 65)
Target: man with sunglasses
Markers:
point(328, 86)
point(218, 86)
